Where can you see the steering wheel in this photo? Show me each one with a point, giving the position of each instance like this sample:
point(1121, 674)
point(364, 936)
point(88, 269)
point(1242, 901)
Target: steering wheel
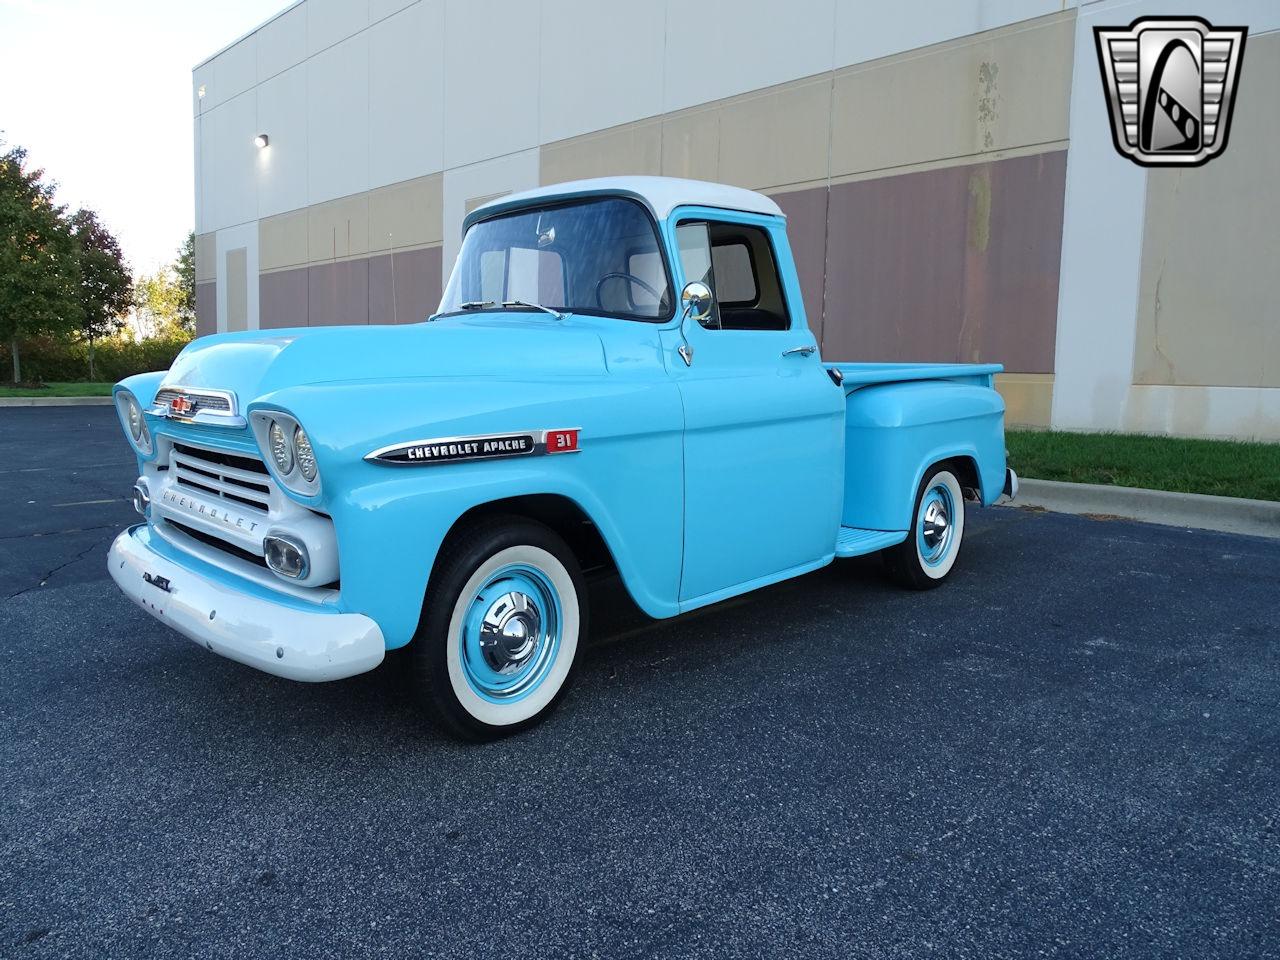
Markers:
point(620, 275)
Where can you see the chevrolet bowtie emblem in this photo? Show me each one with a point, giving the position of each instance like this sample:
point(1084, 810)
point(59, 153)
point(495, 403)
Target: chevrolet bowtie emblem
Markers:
point(1170, 85)
point(181, 406)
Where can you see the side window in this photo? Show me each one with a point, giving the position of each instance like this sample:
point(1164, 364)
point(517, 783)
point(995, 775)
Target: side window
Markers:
point(694, 242)
point(748, 284)
point(735, 275)
point(737, 262)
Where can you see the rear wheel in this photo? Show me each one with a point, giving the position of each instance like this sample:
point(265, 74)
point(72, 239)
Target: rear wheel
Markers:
point(924, 559)
point(499, 634)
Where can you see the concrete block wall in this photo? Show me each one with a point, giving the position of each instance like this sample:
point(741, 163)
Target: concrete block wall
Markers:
point(941, 164)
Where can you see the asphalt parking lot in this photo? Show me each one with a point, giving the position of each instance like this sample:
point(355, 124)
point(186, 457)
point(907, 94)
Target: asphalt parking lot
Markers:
point(1069, 750)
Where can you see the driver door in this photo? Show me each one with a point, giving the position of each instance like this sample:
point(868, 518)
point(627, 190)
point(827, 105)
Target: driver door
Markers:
point(764, 423)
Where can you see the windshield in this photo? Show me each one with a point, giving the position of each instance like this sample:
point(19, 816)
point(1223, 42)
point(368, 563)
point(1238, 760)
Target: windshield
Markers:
point(590, 256)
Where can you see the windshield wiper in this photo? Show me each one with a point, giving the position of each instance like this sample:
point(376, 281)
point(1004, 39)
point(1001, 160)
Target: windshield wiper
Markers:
point(477, 304)
point(532, 306)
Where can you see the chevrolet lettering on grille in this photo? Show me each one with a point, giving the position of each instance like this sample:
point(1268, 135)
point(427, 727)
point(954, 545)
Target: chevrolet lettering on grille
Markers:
point(210, 512)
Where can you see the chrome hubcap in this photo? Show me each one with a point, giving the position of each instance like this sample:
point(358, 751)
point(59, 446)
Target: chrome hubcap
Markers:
point(936, 524)
point(935, 527)
point(509, 632)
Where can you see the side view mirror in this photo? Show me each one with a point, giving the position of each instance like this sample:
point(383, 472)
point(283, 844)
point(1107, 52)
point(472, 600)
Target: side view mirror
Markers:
point(696, 298)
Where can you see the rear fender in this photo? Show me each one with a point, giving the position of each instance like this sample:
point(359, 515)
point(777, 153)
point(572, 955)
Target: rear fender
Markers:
point(896, 432)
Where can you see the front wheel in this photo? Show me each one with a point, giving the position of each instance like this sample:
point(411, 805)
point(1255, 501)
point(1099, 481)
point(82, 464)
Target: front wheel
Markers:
point(500, 628)
point(924, 559)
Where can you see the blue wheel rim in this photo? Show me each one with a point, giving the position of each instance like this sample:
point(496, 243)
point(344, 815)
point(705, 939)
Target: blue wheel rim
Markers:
point(511, 633)
point(935, 524)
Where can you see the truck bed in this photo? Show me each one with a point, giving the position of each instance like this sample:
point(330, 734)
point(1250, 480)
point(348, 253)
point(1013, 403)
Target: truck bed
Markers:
point(865, 374)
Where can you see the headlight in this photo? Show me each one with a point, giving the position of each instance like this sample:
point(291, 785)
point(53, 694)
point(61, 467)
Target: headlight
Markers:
point(287, 450)
point(134, 422)
point(281, 448)
point(137, 426)
point(306, 456)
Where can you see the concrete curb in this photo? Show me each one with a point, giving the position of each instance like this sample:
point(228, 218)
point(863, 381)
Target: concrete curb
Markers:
point(1258, 518)
point(55, 401)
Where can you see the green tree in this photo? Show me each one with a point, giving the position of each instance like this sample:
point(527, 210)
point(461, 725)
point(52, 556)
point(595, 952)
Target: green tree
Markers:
point(160, 301)
point(105, 292)
point(185, 267)
point(39, 266)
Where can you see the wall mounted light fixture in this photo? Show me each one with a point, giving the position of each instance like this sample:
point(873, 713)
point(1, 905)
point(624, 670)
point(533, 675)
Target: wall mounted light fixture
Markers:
point(261, 140)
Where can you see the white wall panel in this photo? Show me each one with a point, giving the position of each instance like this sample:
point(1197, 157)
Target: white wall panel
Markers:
point(602, 65)
point(868, 31)
point(379, 9)
point(200, 76)
point(517, 171)
point(235, 197)
point(338, 120)
point(281, 168)
point(282, 43)
point(235, 70)
point(329, 21)
point(201, 142)
point(244, 236)
point(491, 91)
point(719, 48)
point(406, 94)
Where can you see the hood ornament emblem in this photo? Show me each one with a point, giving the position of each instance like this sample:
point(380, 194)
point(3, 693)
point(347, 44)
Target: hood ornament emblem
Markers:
point(216, 408)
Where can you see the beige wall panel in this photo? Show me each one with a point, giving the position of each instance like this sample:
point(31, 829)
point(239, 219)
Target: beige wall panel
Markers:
point(691, 144)
point(339, 228)
point(777, 137)
point(237, 290)
point(407, 214)
point(999, 90)
point(282, 240)
point(475, 203)
point(206, 256)
point(1209, 300)
point(1028, 398)
point(632, 148)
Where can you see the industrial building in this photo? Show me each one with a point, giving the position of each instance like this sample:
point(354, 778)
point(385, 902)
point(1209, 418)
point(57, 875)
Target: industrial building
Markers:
point(946, 166)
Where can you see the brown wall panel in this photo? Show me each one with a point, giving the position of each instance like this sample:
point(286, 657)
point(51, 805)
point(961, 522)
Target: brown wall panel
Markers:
point(282, 299)
point(953, 264)
point(338, 293)
point(806, 212)
point(206, 308)
point(411, 293)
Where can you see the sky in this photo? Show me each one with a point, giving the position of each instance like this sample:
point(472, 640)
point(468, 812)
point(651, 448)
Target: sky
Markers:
point(99, 92)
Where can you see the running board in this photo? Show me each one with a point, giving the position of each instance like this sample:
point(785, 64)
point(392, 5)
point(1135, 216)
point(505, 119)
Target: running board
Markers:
point(854, 541)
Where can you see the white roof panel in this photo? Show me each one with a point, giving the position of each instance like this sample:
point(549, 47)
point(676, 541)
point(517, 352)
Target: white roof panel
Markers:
point(660, 194)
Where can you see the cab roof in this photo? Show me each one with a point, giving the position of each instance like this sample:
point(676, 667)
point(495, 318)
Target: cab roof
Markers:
point(660, 194)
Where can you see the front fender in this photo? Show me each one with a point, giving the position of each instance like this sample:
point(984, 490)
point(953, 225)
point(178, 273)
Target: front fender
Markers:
point(896, 431)
point(391, 520)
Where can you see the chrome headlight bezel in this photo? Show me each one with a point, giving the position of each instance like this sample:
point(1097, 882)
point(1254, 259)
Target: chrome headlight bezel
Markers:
point(293, 479)
point(133, 420)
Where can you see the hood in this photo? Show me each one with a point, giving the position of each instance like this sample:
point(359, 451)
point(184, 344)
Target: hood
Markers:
point(501, 346)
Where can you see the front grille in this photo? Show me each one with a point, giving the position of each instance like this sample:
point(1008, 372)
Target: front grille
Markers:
point(202, 401)
point(243, 480)
point(210, 540)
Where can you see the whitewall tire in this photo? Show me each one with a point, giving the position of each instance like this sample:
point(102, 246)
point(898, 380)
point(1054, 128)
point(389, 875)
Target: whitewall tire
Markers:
point(500, 631)
point(928, 554)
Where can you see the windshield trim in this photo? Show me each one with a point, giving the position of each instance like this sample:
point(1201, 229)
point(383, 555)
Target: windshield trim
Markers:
point(580, 201)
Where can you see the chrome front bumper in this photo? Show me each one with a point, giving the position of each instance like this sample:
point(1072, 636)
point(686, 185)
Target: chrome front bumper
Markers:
point(277, 636)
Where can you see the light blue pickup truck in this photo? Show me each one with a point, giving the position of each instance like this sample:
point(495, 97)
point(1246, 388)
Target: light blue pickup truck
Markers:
point(620, 377)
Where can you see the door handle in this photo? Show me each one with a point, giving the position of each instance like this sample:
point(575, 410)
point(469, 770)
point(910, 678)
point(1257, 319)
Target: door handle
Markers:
point(806, 351)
